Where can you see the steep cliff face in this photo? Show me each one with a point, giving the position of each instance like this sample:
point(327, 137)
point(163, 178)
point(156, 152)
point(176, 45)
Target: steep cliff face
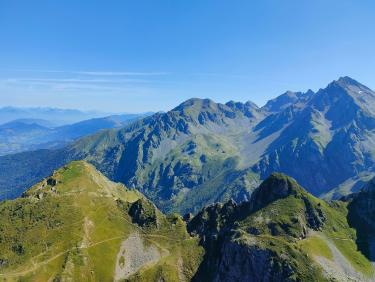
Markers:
point(362, 206)
point(246, 262)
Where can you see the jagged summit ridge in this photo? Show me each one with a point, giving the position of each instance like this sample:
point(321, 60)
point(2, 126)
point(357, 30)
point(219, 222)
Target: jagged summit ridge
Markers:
point(197, 108)
point(286, 100)
point(347, 81)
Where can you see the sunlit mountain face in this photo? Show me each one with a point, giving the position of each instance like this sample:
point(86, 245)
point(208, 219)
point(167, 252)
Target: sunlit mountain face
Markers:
point(203, 152)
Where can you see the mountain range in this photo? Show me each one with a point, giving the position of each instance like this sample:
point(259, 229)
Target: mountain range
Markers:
point(32, 134)
point(202, 152)
point(53, 116)
point(77, 225)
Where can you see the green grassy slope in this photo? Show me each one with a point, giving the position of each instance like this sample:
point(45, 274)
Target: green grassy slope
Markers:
point(72, 226)
point(201, 171)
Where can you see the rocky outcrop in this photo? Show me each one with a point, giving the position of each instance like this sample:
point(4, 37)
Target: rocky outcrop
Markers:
point(241, 262)
point(275, 187)
point(211, 220)
point(143, 213)
point(315, 216)
point(362, 208)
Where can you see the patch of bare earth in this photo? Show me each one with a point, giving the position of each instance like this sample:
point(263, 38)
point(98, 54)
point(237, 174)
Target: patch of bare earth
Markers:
point(134, 255)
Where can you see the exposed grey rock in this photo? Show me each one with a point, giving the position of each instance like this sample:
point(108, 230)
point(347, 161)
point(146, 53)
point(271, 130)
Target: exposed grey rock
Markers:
point(241, 262)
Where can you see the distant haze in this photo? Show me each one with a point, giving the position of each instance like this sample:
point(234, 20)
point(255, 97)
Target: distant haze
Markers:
point(54, 116)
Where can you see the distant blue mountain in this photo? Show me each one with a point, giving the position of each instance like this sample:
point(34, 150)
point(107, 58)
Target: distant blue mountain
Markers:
point(54, 116)
point(31, 134)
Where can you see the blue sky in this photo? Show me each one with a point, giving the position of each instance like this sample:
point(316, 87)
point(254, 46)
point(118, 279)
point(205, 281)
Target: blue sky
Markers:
point(136, 56)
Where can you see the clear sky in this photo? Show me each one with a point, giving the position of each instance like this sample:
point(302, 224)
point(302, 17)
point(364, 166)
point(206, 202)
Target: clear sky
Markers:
point(136, 56)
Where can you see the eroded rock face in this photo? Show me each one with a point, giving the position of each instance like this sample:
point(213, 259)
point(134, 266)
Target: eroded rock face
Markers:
point(143, 213)
point(362, 206)
point(230, 256)
point(250, 263)
point(51, 181)
point(314, 215)
point(212, 219)
point(275, 187)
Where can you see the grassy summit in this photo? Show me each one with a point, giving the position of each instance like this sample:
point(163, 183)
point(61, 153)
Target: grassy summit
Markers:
point(78, 225)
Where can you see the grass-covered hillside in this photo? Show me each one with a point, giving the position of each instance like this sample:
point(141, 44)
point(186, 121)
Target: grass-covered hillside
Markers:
point(78, 226)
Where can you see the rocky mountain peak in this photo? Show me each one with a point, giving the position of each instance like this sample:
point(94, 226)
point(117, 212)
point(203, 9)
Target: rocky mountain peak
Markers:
point(249, 109)
point(287, 99)
point(309, 92)
point(239, 105)
point(204, 110)
point(347, 81)
point(276, 186)
point(196, 104)
point(348, 84)
point(346, 95)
